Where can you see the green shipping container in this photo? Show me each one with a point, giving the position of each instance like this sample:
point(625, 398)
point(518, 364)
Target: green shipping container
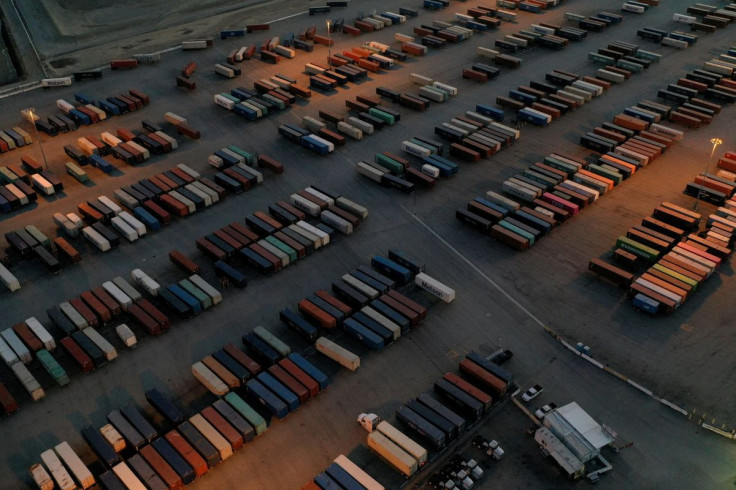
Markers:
point(7, 176)
point(54, 368)
point(203, 298)
point(40, 237)
point(517, 230)
point(560, 165)
point(389, 164)
point(283, 247)
point(614, 176)
point(253, 418)
point(76, 172)
point(384, 116)
point(272, 340)
point(636, 248)
point(677, 275)
point(250, 159)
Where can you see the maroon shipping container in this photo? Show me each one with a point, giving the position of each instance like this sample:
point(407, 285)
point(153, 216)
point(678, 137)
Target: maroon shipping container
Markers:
point(412, 315)
point(90, 214)
point(291, 209)
point(300, 375)
point(107, 300)
point(237, 245)
point(144, 320)
point(7, 401)
point(471, 390)
point(63, 247)
point(125, 134)
point(223, 427)
point(245, 240)
point(123, 63)
point(189, 69)
point(257, 27)
point(421, 310)
point(30, 164)
point(270, 163)
point(287, 380)
point(163, 142)
point(331, 136)
point(102, 312)
point(334, 302)
point(301, 251)
point(28, 338)
point(244, 359)
point(183, 262)
point(183, 82)
point(83, 310)
point(84, 361)
point(161, 467)
point(210, 249)
point(158, 316)
point(353, 31)
point(173, 205)
point(163, 178)
point(485, 378)
point(264, 217)
point(478, 76)
point(160, 213)
point(187, 452)
point(266, 255)
point(246, 232)
point(187, 131)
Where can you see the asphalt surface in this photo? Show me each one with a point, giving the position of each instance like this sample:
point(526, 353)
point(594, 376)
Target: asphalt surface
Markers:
point(683, 357)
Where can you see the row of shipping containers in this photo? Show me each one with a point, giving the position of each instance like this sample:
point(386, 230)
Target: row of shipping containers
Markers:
point(22, 184)
point(272, 241)
point(90, 111)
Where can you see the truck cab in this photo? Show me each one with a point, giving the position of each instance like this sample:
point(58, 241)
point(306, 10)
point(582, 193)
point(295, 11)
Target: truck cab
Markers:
point(369, 421)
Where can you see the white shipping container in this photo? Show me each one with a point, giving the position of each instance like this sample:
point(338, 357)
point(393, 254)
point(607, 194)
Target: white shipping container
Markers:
point(17, 345)
point(312, 124)
point(199, 44)
point(39, 183)
point(56, 82)
point(316, 241)
point(145, 281)
point(75, 464)
point(124, 473)
point(284, 51)
point(96, 239)
point(675, 43)
point(63, 222)
point(314, 69)
point(403, 38)
point(87, 147)
point(280, 254)
point(379, 318)
point(305, 205)
point(224, 71)
point(73, 315)
point(208, 289)
point(324, 237)
point(197, 192)
point(369, 171)
point(140, 148)
point(61, 475)
point(215, 161)
point(170, 139)
point(224, 102)
point(64, 105)
point(113, 437)
point(318, 194)
point(110, 139)
point(416, 150)
point(133, 222)
point(445, 293)
point(127, 288)
point(351, 207)
point(351, 131)
point(174, 118)
point(366, 127)
point(186, 168)
point(239, 158)
point(502, 201)
point(687, 19)
point(29, 382)
point(209, 379)
point(117, 294)
point(101, 342)
point(211, 434)
point(126, 335)
point(7, 353)
point(110, 204)
point(360, 286)
point(191, 207)
point(610, 76)
point(100, 113)
point(667, 131)
point(206, 190)
point(10, 281)
point(41, 477)
point(445, 88)
point(433, 94)
point(431, 171)
point(335, 221)
point(40, 331)
point(337, 353)
point(75, 220)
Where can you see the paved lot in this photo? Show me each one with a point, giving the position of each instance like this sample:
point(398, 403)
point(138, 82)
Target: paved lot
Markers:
point(683, 357)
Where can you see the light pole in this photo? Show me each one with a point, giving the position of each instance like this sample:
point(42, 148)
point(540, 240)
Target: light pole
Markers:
point(31, 117)
point(329, 45)
point(715, 142)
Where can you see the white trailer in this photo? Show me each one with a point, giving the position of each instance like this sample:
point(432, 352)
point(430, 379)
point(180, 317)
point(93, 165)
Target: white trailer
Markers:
point(337, 353)
point(96, 239)
point(10, 281)
point(61, 475)
point(124, 228)
point(145, 281)
point(433, 286)
point(126, 335)
point(40, 331)
point(75, 464)
point(209, 379)
point(208, 289)
point(101, 342)
point(17, 345)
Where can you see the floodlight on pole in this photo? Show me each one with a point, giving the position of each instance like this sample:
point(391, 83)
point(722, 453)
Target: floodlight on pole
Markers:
point(715, 142)
point(30, 115)
point(329, 45)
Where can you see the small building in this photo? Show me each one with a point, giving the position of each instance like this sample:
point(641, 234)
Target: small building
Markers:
point(577, 430)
